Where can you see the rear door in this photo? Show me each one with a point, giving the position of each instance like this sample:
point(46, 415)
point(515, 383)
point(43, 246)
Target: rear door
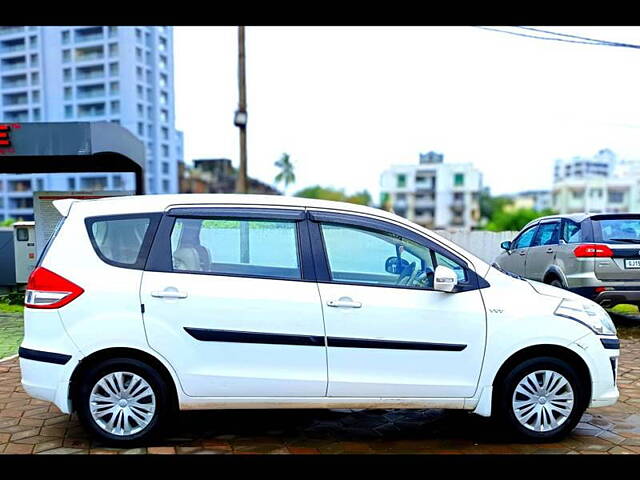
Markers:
point(621, 233)
point(543, 249)
point(230, 301)
point(515, 259)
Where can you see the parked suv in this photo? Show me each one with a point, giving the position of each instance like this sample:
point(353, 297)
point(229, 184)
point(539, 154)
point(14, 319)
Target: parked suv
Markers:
point(142, 306)
point(596, 256)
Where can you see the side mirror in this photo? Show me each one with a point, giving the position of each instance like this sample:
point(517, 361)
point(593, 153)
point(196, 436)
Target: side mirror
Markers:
point(444, 279)
point(395, 265)
point(506, 245)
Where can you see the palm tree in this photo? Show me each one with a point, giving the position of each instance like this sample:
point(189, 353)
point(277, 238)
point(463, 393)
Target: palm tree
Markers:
point(286, 174)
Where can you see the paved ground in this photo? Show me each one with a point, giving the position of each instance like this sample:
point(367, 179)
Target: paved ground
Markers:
point(33, 426)
point(10, 333)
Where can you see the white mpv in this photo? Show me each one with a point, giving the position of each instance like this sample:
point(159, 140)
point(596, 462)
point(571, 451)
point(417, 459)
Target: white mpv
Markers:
point(142, 306)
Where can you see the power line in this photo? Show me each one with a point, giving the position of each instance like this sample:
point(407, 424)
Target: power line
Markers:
point(585, 41)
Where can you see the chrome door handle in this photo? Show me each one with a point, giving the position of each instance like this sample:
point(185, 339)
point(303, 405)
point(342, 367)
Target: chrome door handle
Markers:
point(550, 250)
point(169, 294)
point(343, 302)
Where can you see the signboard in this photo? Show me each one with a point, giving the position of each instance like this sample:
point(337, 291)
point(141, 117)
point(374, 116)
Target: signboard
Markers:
point(47, 217)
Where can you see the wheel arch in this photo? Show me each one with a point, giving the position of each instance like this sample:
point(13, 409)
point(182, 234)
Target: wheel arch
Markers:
point(549, 350)
point(122, 352)
point(554, 272)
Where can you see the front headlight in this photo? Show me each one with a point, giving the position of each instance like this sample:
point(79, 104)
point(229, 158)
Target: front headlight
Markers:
point(588, 313)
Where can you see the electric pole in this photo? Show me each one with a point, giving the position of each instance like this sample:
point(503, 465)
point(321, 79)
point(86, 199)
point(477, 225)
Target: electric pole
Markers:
point(240, 119)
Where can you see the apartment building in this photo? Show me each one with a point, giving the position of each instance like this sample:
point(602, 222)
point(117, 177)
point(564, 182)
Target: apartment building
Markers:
point(90, 73)
point(433, 193)
point(602, 184)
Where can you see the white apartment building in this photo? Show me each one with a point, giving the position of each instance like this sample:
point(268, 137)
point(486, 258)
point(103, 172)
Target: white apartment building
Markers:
point(435, 194)
point(602, 184)
point(90, 73)
point(537, 200)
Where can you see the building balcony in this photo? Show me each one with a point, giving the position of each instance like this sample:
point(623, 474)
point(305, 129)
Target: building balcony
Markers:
point(90, 94)
point(11, 30)
point(10, 67)
point(12, 49)
point(15, 84)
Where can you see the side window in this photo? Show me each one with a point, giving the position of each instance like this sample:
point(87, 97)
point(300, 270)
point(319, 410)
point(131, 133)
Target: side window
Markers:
point(548, 234)
point(571, 232)
point(263, 248)
point(371, 257)
point(525, 239)
point(122, 240)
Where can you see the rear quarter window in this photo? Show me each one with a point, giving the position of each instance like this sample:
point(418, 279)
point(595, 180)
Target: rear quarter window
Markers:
point(123, 240)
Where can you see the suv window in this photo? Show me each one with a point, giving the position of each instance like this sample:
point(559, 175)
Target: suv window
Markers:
point(547, 234)
point(264, 248)
point(571, 232)
point(360, 255)
point(525, 238)
point(122, 240)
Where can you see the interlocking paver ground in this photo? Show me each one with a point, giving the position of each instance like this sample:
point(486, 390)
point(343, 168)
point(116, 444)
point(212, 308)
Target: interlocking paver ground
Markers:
point(33, 426)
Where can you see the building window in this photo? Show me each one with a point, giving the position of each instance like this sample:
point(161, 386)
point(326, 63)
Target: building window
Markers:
point(66, 56)
point(165, 168)
point(401, 180)
point(140, 128)
point(91, 110)
point(165, 186)
point(33, 58)
point(68, 93)
point(33, 41)
point(66, 36)
point(116, 121)
point(115, 107)
point(140, 110)
point(68, 111)
point(164, 98)
point(616, 197)
point(138, 35)
point(163, 80)
point(139, 73)
point(139, 54)
point(165, 133)
point(149, 130)
point(163, 62)
point(113, 50)
point(140, 92)
point(35, 78)
point(150, 113)
point(35, 96)
point(165, 150)
point(36, 114)
point(114, 88)
point(114, 69)
point(113, 32)
point(458, 180)
point(71, 183)
point(164, 115)
point(66, 74)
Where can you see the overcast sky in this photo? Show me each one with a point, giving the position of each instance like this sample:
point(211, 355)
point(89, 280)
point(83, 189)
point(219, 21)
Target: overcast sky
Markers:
point(346, 103)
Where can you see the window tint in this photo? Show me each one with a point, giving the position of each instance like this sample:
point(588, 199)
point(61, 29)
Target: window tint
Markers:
point(526, 238)
point(358, 255)
point(237, 247)
point(571, 232)
point(119, 240)
point(547, 234)
point(617, 230)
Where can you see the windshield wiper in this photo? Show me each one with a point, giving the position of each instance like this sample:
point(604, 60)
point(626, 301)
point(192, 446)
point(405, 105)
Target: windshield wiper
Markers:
point(627, 240)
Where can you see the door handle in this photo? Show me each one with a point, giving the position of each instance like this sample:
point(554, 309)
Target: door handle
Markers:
point(344, 302)
point(550, 250)
point(169, 294)
point(522, 252)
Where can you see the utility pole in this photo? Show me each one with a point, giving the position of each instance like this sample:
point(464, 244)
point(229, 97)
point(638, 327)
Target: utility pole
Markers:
point(240, 119)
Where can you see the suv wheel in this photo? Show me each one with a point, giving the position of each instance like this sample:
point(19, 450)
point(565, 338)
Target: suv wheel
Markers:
point(123, 401)
point(541, 399)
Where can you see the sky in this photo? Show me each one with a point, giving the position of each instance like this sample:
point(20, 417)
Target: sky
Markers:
point(348, 102)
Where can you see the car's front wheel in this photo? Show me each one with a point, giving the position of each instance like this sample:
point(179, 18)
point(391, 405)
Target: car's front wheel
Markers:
point(541, 399)
point(123, 401)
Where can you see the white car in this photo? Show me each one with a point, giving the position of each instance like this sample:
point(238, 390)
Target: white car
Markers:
point(140, 306)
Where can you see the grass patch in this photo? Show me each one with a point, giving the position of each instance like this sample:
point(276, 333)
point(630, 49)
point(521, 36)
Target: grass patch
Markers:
point(625, 309)
point(11, 308)
point(11, 332)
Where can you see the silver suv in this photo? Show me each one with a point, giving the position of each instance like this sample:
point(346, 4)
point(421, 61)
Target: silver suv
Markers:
point(594, 255)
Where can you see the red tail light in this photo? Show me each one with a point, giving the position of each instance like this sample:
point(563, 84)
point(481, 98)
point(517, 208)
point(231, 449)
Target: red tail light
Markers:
point(46, 289)
point(592, 250)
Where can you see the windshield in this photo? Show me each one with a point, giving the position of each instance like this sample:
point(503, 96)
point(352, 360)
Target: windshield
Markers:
point(617, 230)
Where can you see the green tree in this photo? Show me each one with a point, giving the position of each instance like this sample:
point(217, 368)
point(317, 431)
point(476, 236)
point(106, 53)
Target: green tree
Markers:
point(8, 222)
point(489, 205)
point(286, 174)
point(516, 219)
point(327, 193)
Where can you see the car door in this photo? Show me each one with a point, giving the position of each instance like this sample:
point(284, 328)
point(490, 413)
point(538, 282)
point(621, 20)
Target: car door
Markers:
point(514, 259)
point(389, 334)
point(231, 302)
point(542, 251)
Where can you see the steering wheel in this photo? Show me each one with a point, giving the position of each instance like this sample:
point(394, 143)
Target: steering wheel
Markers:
point(406, 272)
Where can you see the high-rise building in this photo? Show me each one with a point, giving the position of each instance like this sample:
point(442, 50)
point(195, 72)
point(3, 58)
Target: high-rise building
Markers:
point(90, 73)
point(435, 194)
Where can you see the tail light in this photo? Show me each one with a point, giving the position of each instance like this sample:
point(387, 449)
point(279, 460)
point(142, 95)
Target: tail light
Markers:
point(592, 250)
point(46, 289)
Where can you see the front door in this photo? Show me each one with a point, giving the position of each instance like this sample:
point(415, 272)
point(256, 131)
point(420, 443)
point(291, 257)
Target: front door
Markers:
point(543, 250)
point(389, 334)
point(228, 305)
point(514, 260)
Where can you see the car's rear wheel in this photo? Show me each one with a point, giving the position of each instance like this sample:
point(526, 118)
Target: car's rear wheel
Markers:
point(123, 401)
point(541, 399)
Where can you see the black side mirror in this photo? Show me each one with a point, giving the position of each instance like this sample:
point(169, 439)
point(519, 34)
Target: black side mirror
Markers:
point(506, 245)
point(395, 265)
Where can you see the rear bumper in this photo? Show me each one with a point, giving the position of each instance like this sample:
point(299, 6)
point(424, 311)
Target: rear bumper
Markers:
point(610, 297)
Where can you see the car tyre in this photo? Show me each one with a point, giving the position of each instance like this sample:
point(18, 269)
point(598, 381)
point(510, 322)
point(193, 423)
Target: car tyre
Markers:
point(559, 411)
point(124, 402)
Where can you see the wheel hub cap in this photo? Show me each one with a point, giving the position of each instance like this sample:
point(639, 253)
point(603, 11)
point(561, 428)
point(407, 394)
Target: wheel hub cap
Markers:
point(543, 400)
point(122, 403)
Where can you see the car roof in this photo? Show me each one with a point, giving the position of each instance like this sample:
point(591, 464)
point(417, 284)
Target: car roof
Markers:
point(576, 217)
point(158, 203)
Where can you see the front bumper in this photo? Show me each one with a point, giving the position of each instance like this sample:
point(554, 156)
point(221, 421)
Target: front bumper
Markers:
point(601, 353)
